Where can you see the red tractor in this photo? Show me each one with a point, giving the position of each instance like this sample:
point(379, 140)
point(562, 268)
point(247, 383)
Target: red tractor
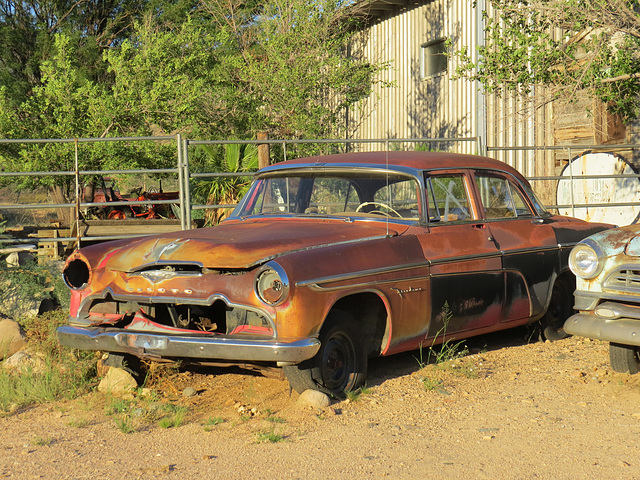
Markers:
point(107, 192)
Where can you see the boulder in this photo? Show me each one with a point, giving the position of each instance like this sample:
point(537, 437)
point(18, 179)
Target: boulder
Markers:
point(313, 398)
point(12, 339)
point(117, 382)
point(21, 361)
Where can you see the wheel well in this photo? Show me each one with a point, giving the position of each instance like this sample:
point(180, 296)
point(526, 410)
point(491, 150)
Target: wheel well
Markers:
point(569, 281)
point(369, 312)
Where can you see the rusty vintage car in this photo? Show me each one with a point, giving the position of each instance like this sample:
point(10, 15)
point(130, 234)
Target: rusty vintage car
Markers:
point(330, 260)
point(607, 297)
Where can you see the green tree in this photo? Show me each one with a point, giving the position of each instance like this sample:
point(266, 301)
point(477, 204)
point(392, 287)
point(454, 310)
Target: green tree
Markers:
point(27, 29)
point(567, 46)
point(283, 66)
point(208, 70)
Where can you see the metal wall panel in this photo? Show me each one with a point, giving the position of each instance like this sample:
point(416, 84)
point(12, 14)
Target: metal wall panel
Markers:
point(436, 107)
point(441, 107)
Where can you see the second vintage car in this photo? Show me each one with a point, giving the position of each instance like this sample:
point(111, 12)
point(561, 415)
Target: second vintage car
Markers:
point(330, 260)
point(607, 297)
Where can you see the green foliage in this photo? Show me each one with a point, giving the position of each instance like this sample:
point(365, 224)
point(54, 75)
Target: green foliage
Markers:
point(23, 284)
point(445, 350)
point(275, 419)
point(225, 190)
point(355, 395)
point(430, 384)
point(270, 436)
point(43, 441)
point(132, 413)
point(79, 422)
point(567, 46)
point(57, 372)
point(125, 424)
point(208, 69)
point(212, 422)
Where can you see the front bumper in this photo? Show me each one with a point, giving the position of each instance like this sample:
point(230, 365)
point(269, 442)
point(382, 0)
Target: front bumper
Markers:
point(625, 331)
point(144, 344)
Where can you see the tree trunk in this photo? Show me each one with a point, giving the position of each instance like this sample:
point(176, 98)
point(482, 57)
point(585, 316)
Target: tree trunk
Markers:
point(65, 215)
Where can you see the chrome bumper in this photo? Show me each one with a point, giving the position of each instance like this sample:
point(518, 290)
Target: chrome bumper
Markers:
point(144, 344)
point(624, 331)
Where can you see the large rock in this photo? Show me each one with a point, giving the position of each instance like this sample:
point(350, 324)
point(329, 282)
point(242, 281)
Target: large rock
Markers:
point(313, 398)
point(22, 361)
point(12, 339)
point(117, 382)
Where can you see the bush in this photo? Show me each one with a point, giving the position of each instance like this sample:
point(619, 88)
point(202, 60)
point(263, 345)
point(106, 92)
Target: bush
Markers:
point(24, 287)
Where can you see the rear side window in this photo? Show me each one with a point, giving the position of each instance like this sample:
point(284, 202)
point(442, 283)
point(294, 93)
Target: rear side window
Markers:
point(448, 198)
point(501, 198)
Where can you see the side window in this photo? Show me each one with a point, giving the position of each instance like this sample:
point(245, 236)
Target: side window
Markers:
point(448, 199)
point(500, 198)
point(401, 197)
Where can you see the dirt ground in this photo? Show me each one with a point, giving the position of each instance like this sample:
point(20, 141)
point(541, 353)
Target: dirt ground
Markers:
point(509, 410)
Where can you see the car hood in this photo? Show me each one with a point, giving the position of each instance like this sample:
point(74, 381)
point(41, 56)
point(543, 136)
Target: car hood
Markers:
point(236, 244)
point(619, 240)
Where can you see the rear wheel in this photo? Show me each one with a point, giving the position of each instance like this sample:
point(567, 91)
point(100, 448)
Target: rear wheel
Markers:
point(624, 358)
point(339, 366)
point(560, 308)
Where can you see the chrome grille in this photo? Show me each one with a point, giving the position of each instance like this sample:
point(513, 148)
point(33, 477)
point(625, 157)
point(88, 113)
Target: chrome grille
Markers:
point(625, 279)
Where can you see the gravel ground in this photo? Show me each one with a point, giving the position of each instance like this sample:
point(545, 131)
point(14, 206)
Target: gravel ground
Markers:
point(508, 410)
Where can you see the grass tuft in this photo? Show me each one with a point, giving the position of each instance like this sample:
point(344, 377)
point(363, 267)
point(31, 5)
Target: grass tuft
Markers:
point(270, 436)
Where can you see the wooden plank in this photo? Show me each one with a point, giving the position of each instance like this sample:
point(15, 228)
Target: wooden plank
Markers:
point(97, 228)
point(48, 250)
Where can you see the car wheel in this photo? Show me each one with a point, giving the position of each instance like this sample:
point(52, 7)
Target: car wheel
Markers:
point(339, 366)
point(624, 358)
point(560, 308)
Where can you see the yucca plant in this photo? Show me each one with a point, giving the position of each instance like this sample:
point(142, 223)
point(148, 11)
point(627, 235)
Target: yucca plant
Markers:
point(232, 158)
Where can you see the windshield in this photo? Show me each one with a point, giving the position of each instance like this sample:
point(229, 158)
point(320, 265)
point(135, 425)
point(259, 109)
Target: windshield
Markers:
point(346, 194)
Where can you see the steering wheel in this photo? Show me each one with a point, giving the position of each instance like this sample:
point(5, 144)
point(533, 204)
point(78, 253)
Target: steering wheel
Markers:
point(380, 204)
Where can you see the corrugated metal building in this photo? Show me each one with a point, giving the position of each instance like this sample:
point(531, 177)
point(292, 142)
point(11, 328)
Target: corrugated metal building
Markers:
point(427, 102)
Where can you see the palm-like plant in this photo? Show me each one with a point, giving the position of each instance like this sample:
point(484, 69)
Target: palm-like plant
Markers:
point(226, 190)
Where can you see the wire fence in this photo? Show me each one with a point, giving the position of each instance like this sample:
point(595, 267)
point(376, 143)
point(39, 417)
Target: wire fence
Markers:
point(183, 176)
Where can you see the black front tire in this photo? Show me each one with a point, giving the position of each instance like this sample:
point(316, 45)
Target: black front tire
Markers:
point(339, 366)
point(624, 358)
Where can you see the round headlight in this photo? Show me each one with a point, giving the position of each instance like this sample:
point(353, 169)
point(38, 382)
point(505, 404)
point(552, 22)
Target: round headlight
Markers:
point(271, 285)
point(585, 260)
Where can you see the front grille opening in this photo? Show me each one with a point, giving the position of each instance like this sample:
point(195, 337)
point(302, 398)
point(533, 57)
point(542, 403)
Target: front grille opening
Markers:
point(217, 318)
point(175, 267)
point(626, 279)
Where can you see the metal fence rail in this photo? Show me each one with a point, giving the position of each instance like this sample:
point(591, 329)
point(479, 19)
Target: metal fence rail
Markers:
point(186, 177)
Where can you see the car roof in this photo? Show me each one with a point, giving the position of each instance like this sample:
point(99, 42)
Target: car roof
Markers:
point(412, 160)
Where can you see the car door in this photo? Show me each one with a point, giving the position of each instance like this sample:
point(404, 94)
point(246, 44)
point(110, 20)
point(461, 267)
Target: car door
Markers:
point(466, 278)
point(528, 246)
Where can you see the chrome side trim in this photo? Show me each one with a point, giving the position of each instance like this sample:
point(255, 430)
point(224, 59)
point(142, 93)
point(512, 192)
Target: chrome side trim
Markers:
point(545, 248)
point(183, 346)
point(394, 269)
point(362, 273)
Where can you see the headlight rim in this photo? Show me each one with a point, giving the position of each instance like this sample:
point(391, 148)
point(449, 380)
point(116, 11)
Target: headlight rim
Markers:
point(284, 280)
point(72, 272)
point(599, 256)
